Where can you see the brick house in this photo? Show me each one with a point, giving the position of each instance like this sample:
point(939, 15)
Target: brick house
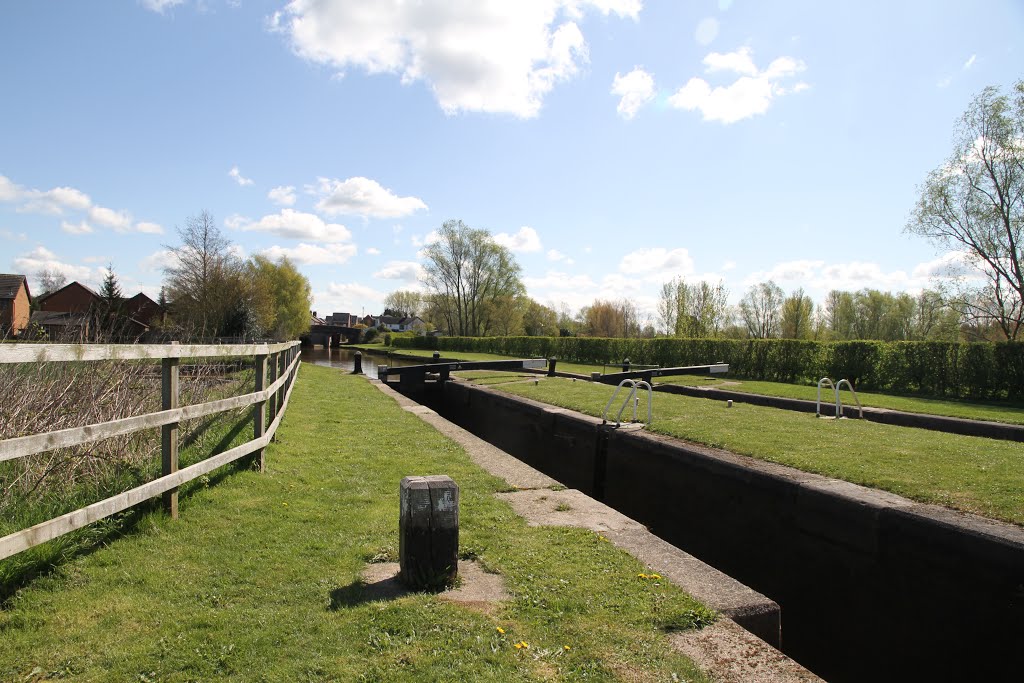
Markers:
point(15, 301)
point(71, 312)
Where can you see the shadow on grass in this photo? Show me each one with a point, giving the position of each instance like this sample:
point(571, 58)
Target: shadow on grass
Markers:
point(19, 571)
point(382, 584)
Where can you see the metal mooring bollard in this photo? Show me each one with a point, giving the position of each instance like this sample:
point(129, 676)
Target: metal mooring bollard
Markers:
point(437, 356)
point(357, 368)
point(428, 532)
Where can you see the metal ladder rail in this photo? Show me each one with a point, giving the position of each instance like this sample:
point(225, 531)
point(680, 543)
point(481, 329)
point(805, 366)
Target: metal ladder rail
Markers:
point(634, 386)
point(824, 380)
point(839, 385)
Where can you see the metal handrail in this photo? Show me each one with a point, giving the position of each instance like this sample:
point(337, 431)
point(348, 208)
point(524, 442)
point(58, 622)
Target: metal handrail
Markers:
point(634, 386)
point(839, 404)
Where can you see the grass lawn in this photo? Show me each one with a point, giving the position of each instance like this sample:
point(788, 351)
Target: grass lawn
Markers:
point(1007, 411)
point(259, 578)
point(985, 476)
point(1010, 412)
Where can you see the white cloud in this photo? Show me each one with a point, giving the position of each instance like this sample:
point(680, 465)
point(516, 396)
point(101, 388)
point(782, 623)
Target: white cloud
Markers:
point(555, 255)
point(238, 177)
point(9, 192)
point(158, 261)
point(373, 251)
point(313, 254)
point(362, 197)
point(149, 228)
point(955, 264)
point(655, 263)
point(749, 95)
point(408, 271)
point(525, 241)
point(347, 297)
point(61, 200)
point(293, 225)
point(82, 228)
point(160, 6)
point(561, 282)
point(497, 56)
point(636, 90)
point(42, 258)
point(418, 241)
point(121, 221)
point(707, 30)
point(283, 195)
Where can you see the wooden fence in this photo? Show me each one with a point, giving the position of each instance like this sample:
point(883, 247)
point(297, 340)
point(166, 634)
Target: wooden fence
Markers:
point(276, 367)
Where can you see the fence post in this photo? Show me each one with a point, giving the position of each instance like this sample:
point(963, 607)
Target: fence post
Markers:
point(169, 432)
point(258, 417)
point(272, 401)
point(282, 360)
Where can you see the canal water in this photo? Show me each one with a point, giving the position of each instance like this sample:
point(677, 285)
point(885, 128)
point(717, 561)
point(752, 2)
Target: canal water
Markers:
point(344, 358)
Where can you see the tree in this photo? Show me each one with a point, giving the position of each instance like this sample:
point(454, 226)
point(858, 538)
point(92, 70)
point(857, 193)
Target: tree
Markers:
point(281, 296)
point(50, 281)
point(797, 316)
point(611, 319)
point(204, 285)
point(111, 303)
point(760, 308)
point(539, 320)
point(404, 303)
point(466, 271)
point(974, 203)
point(692, 310)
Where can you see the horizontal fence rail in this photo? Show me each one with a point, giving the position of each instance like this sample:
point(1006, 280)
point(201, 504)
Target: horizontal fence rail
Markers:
point(269, 400)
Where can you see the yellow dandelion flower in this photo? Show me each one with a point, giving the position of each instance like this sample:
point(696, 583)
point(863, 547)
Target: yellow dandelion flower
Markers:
point(655, 576)
point(519, 646)
point(285, 504)
point(501, 630)
point(642, 576)
point(567, 647)
point(526, 645)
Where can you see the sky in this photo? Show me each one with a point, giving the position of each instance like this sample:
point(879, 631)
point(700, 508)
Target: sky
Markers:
point(611, 145)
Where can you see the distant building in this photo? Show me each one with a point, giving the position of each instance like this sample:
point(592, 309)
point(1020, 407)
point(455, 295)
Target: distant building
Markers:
point(73, 311)
point(15, 301)
point(403, 324)
point(342, 319)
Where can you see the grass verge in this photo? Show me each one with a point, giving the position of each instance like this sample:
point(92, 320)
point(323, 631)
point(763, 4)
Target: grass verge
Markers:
point(1007, 411)
point(984, 476)
point(259, 578)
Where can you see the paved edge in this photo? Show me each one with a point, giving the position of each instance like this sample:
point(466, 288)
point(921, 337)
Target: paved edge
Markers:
point(732, 649)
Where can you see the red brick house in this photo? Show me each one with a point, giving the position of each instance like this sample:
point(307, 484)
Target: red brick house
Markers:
point(15, 301)
point(71, 313)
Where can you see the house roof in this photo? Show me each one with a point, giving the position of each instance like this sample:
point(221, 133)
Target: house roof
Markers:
point(59, 318)
point(10, 284)
point(76, 283)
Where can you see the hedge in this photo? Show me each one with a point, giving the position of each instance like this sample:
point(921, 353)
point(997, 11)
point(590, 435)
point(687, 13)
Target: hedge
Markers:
point(963, 370)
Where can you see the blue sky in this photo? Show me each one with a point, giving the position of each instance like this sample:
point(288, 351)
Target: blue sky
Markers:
point(611, 144)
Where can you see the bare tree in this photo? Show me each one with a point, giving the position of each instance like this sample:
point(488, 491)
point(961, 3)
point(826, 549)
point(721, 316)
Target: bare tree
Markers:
point(974, 203)
point(204, 284)
point(760, 309)
point(50, 281)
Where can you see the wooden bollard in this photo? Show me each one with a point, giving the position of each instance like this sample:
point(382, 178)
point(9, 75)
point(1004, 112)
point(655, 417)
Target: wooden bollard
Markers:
point(437, 356)
point(428, 532)
point(357, 363)
point(551, 366)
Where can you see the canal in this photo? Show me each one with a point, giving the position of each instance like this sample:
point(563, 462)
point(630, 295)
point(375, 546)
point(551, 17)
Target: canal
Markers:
point(345, 359)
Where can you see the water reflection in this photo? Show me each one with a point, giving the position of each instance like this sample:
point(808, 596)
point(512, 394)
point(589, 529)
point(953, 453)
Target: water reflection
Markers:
point(344, 358)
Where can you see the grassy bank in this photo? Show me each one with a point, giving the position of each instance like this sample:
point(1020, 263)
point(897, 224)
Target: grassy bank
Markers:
point(259, 578)
point(1001, 411)
point(1006, 411)
point(984, 476)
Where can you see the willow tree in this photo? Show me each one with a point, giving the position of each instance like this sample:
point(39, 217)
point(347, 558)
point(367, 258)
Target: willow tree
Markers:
point(467, 272)
point(974, 204)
